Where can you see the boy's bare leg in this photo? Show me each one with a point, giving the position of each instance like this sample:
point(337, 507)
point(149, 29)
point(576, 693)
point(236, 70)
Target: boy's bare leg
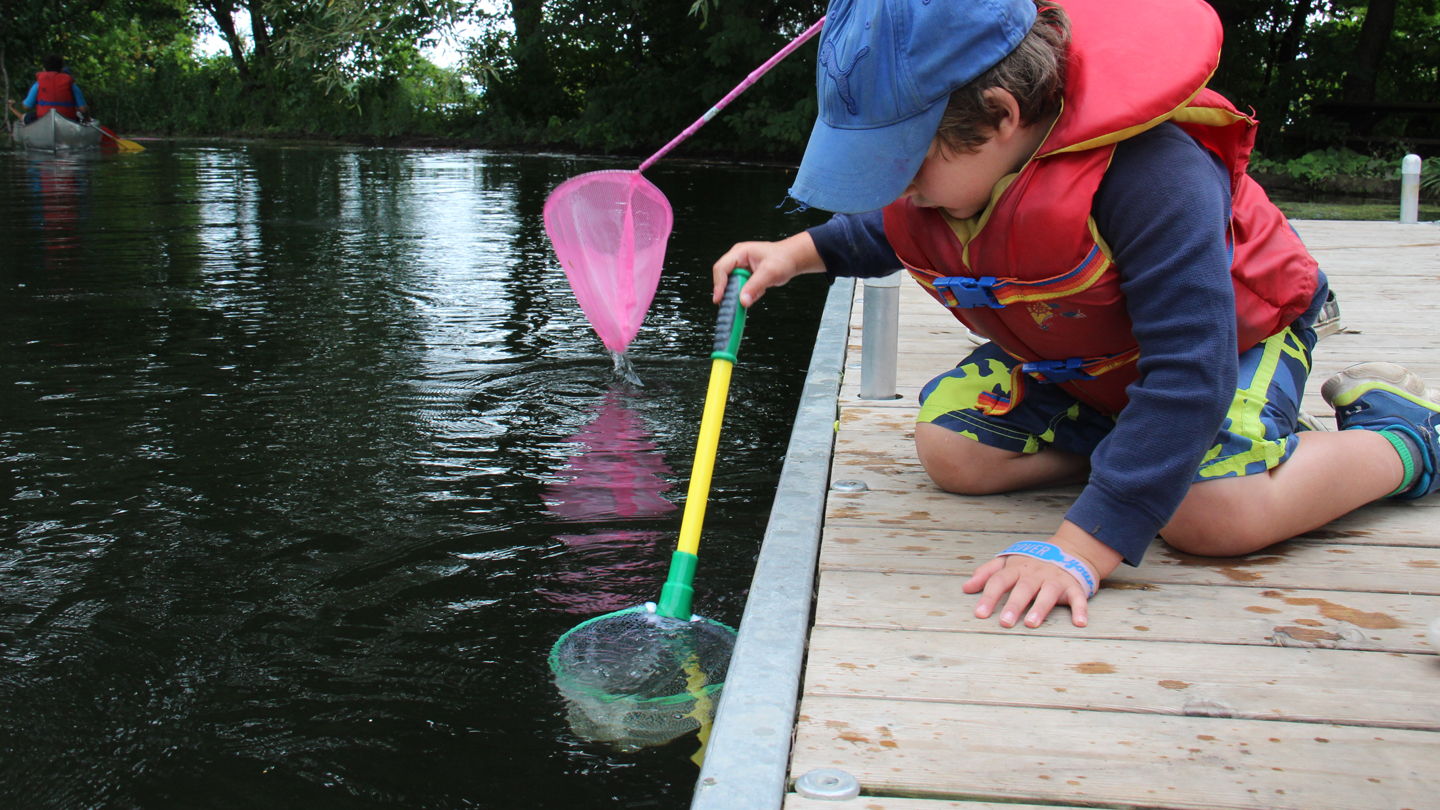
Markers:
point(962, 465)
point(1328, 475)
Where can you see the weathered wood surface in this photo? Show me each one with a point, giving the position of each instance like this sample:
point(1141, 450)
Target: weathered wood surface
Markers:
point(1297, 677)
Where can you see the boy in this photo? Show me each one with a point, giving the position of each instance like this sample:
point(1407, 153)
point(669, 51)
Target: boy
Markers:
point(1062, 181)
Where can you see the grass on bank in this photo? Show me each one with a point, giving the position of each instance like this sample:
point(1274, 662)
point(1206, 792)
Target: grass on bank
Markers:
point(1364, 210)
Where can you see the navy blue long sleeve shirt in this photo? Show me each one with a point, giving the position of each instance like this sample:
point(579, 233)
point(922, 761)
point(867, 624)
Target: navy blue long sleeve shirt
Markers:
point(1164, 208)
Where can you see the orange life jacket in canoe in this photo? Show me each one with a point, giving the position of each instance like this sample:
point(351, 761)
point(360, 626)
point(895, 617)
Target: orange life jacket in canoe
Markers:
point(56, 91)
point(1035, 250)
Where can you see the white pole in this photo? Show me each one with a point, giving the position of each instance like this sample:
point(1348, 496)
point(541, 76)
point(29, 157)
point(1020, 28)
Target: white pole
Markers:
point(880, 337)
point(1410, 190)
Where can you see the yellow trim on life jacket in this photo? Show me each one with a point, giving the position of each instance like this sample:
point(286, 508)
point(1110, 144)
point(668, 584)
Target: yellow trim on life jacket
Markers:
point(966, 229)
point(1210, 116)
point(1099, 240)
point(1130, 132)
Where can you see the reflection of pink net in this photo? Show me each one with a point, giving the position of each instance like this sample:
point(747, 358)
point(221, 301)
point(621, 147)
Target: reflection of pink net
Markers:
point(618, 475)
point(605, 571)
point(609, 230)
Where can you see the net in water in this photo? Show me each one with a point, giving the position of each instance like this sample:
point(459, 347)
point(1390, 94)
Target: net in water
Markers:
point(635, 679)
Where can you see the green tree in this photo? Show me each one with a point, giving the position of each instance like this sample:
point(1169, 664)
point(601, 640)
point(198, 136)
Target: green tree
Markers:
point(338, 43)
point(1321, 73)
point(627, 75)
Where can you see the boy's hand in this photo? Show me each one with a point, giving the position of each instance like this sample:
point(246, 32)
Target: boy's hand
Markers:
point(1038, 586)
point(771, 264)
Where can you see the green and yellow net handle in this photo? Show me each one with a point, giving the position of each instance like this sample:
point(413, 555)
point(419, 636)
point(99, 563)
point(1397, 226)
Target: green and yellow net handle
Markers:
point(679, 591)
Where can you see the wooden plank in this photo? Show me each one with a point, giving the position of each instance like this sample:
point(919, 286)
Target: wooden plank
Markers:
point(1390, 523)
point(795, 801)
point(1382, 622)
point(1395, 523)
point(1212, 680)
point(1291, 564)
point(1046, 755)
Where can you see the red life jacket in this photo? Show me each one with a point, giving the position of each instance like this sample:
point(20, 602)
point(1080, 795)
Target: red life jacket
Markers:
point(56, 92)
point(1034, 255)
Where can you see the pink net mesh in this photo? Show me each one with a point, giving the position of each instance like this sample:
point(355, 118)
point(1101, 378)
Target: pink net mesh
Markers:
point(609, 230)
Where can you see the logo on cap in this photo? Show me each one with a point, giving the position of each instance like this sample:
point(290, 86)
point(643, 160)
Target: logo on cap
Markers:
point(841, 76)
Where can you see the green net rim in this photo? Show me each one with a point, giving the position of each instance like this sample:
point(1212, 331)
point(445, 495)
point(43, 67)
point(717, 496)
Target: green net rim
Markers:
point(606, 697)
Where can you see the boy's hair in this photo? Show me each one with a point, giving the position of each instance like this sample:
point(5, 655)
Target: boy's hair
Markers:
point(1034, 73)
point(53, 63)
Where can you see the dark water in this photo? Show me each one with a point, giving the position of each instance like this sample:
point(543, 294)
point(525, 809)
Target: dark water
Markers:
point(311, 456)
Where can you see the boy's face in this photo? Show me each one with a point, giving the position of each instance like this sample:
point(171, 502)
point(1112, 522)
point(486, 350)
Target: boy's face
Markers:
point(960, 183)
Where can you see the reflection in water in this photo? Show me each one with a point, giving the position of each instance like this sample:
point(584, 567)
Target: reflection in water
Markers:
point(629, 680)
point(290, 434)
point(58, 185)
point(618, 476)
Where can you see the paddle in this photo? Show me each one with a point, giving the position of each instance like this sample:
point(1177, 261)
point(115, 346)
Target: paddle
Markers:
point(125, 146)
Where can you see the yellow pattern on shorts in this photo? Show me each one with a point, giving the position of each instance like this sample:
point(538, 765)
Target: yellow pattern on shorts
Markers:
point(960, 397)
point(1245, 411)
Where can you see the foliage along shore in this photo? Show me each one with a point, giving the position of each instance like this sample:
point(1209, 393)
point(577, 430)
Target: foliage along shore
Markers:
point(621, 77)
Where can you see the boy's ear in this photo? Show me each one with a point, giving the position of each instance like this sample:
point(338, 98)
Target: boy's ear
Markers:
point(998, 98)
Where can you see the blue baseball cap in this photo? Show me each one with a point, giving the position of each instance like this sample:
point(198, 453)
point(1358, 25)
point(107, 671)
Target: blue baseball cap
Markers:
point(886, 71)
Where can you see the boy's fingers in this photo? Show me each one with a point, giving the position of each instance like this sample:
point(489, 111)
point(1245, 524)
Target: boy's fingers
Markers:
point(996, 584)
point(1045, 600)
point(751, 292)
point(1079, 607)
point(720, 272)
point(982, 574)
point(1021, 595)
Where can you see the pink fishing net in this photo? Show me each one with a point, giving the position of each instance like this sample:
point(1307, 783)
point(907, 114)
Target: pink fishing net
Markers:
point(609, 230)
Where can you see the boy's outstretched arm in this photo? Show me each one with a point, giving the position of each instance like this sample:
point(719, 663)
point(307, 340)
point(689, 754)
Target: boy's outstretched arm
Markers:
point(1037, 586)
point(771, 264)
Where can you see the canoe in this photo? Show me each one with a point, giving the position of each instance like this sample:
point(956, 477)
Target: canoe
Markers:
point(52, 132)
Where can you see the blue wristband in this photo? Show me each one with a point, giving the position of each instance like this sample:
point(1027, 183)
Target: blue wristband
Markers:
point(1051, 553)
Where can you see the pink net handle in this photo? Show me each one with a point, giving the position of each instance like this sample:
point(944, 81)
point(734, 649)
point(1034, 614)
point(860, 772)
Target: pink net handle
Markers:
point(739, 88)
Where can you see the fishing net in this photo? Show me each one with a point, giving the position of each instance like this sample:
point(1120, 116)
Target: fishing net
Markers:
point(609, 231)
point(635, 679)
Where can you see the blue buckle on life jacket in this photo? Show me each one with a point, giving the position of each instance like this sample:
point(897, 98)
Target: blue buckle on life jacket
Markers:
point(1057, 371)
point(961, 292)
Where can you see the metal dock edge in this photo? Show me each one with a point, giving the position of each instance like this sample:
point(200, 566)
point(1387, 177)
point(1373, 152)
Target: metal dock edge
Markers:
point(748, 753)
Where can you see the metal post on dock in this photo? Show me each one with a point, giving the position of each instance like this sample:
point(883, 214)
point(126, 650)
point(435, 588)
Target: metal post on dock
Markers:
point(1409, 190)
point(880, 337)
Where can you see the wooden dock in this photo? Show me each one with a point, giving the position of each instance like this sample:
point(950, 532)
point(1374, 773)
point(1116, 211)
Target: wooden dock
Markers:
point(1298, 677)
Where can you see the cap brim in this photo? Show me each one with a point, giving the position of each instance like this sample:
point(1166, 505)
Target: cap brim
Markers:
point(851, 171)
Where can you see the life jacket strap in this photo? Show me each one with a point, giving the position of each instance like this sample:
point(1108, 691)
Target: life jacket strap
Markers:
point(961, 292)
point(1078, 368)
point(1058, 371)
point(1050, 372)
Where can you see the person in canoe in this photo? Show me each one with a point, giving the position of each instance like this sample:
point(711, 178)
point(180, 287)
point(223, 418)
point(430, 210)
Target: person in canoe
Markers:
point(54, 89)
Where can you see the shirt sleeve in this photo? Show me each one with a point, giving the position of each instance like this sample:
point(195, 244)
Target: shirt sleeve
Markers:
point(1164, 209)
point(32, 99)
point(79, 98)
point(854, 246)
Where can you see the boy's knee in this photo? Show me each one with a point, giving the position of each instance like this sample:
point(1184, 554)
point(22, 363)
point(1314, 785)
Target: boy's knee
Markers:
point(956, 463)
point(1216, 526)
